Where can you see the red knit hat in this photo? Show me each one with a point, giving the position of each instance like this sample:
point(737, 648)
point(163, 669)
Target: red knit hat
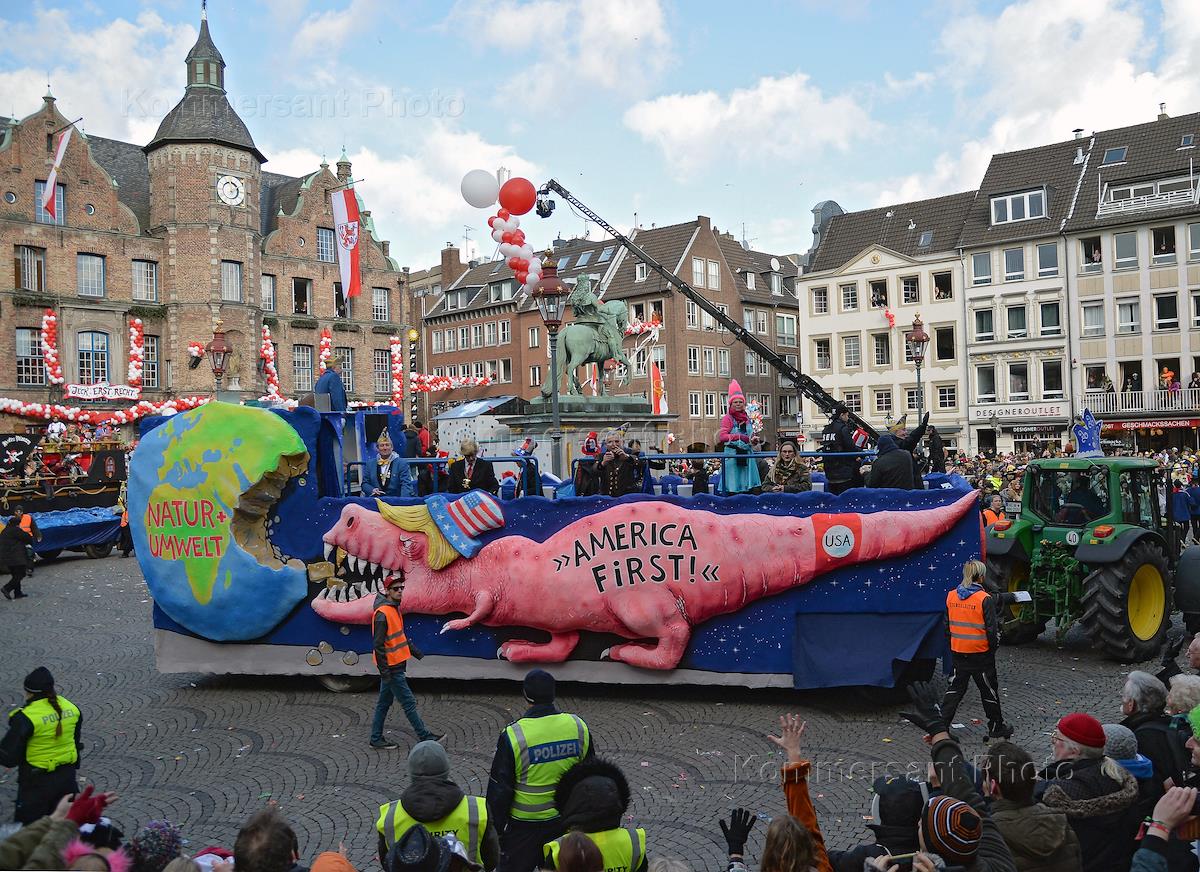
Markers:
point(1082, 729)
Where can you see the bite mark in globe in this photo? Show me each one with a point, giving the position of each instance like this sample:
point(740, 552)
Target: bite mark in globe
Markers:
point(255, 506)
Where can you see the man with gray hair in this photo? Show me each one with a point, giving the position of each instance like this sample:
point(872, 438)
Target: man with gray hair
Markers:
point(472, 472)
point(1144, 702)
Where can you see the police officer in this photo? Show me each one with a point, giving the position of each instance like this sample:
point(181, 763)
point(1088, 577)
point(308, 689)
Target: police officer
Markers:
point(392, 650)
point(841, 473)
point(531, 756)
point(592, 799)
point(438, 804)
point(43, 743)
point(974, 630)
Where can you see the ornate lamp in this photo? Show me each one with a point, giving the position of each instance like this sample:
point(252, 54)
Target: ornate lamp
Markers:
point(918, 342)
point(218, 353)
point(549, 294)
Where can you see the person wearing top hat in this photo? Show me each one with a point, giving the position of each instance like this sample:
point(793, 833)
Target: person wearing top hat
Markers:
point(520, 794)
point(330, 382)
point(388, 475)
point(43, 744)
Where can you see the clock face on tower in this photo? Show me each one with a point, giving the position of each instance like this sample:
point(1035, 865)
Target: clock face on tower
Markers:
point(231, 190)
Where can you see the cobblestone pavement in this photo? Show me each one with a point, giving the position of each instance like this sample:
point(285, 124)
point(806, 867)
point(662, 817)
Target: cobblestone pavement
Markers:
point(206, 751)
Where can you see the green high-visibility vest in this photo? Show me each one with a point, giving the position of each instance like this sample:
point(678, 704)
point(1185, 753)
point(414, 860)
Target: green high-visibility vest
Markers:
point(46, 750)
point(468, 822)
point(622, 849)
point(544, 749)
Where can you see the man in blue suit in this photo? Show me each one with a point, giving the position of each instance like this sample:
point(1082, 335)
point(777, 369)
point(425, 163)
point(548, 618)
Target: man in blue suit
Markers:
point(389, 475)
point(1193, 491)
point(331, 383)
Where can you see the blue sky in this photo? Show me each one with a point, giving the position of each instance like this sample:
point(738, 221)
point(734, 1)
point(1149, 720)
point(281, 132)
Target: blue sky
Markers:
point(748, 112)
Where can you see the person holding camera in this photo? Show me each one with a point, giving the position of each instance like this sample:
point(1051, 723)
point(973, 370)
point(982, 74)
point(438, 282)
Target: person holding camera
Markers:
point(617, 470)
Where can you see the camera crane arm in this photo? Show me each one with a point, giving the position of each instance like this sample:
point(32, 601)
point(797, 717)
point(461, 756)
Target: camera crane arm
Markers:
point(805, 385)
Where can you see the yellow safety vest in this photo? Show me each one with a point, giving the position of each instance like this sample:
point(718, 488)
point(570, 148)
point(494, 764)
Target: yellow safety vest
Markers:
point(621, 849)
point(968, 631)
point(468, 822)
point(544, 749)
point(46, 750)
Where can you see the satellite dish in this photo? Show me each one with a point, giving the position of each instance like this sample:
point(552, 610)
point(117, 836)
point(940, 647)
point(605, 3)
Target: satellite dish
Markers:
point(774, 264)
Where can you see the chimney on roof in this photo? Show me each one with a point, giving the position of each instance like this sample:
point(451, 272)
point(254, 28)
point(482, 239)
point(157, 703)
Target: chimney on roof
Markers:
point(1162, 112)
point(1078, 155)
point(1078, 131)
point(452, 265)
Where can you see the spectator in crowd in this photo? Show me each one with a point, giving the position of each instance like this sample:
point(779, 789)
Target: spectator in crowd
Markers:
point(789, 474)
point(897, 803)
point(519, 787)
point(1182, 697)
point(438, 804)
point(41, 844)
point(1143, 702)
point(1175, 807)
point(973, 628)
point(893, 466)
point(266, 843)
point(472, 472)
point(578, 853)
point(1193, 492)
point(420, 851)
point(1093, 791)
point(1040, 840)
point(154, 846)
point(1182, 507)
point(592, 798)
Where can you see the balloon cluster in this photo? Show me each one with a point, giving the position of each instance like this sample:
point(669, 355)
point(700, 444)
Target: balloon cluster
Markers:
point(267, 353)
point(396, 347)
point(138, 410)
point(671, 439)
point(517, 196)
point(637, 328)
point(754, 410)
point(427, 384)
point(891, 317)
point(137, 346)
point(326, 351)
point(54, 373)
point(196, 350)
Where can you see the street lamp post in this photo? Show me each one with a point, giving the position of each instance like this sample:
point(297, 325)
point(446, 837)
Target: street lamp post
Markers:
point(218, 353)
point(918, 342)
point(549, 294)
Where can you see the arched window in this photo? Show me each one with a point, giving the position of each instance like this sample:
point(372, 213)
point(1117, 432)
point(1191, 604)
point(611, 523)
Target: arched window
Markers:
point(93, 357)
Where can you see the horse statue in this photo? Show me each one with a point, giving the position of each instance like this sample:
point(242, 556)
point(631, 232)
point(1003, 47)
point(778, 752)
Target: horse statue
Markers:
point(593, 337)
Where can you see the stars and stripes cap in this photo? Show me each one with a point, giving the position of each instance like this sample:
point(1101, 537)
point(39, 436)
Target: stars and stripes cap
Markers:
point(465, 519)
point(952, 829)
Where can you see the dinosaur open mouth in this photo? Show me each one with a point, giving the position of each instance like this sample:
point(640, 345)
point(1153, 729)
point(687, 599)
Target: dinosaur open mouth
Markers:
point(354, 577)
point(254, 515)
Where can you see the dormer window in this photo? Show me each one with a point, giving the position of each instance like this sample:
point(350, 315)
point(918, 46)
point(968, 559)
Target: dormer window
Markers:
point(1114, 155)
point(750, 280)
point(1019, 207)
point(926, 239)
point(1158, 193)
point(1188, 140)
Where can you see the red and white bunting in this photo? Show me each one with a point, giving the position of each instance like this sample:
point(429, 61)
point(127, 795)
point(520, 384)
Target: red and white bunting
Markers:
point(49, 202)
point(346, 234)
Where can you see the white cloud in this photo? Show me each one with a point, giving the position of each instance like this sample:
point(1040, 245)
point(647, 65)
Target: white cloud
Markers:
point(618, 45)
point(777, 118)
point(322, 37)
point(413, 194)
point(122, 76)
point(1041, 68)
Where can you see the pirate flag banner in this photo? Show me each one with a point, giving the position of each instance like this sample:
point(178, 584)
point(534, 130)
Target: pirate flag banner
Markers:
point(345, 222)
point(15, 449)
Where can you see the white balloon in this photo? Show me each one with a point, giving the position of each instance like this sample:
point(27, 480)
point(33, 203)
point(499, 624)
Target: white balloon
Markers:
point(527, 252)
point(480, 188)
point(514, 222)
point(497, 234)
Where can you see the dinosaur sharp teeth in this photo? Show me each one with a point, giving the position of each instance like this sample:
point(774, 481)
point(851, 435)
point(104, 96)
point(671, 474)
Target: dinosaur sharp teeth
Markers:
point(329, 549)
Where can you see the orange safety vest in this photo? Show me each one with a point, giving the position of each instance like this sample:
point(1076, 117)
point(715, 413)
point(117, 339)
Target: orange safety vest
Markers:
point(26, 523)
point(990, 517)
point(395, 644)
point(968, 631)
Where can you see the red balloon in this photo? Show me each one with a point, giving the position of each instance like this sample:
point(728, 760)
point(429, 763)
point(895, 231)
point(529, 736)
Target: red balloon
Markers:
point(492, 221)
point(518, 237)
point(522, 278)
point(504, 214)
point(507, 236)
point(518, 196)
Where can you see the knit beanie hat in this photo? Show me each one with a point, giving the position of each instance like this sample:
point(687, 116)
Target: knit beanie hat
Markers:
point(539, 686)
point(898, 801)
point(39, 681)
point(735, 391)
point(1082, 729)
point(428, 759)
point(155, 845)
point(1119, 742)
point(952, 830)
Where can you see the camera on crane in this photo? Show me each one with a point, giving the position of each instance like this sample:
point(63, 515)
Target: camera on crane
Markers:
point(545, 207)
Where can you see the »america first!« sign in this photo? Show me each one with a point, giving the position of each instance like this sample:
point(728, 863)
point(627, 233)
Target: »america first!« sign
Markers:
point(103, 391)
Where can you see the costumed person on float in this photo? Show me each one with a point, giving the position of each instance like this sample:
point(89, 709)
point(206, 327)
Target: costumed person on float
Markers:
point(587, 481)
point(741, 475)
point(389, 475)
point(530, 483)
point(331, 383)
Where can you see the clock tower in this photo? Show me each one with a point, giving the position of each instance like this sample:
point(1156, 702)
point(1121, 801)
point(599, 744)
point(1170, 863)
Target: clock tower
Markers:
point(205, 181)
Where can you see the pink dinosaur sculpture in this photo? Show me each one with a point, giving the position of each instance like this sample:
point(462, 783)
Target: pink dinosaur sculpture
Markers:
point(643, 570)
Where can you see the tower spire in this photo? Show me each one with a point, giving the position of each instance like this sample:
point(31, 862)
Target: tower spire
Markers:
point(204, 10)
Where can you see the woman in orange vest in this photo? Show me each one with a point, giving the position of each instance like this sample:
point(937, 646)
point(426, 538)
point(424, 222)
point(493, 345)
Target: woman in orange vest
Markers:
point(16, 537)
point(973, 629)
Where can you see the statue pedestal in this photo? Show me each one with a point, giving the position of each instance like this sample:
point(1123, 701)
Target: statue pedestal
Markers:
point(580, 416)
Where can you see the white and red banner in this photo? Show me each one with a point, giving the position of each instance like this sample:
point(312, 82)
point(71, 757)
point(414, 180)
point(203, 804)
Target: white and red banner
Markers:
point(658, 391)
point(102, 391)
point(346, 232)
point(49, 202)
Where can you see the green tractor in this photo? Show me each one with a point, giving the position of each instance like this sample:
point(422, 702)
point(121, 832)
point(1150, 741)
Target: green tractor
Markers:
point(1093, 544)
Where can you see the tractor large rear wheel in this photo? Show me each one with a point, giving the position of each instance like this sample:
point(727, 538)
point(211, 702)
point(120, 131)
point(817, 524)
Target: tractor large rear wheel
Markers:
point(1008, 575)
point(1127, 604)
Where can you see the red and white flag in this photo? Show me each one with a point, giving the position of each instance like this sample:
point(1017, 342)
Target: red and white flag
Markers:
point(658, 391)
point(345, 231)
point(49, 202)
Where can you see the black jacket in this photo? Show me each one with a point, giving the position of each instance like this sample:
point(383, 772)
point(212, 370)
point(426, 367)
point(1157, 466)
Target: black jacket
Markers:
point(12, 544)
point(893, 467)
point(592, 797)
point(888, 840)
point(937, 452)
point(483, 477)
point(993, 854)
point(1098, 808)
point(1160, 742)
point(503, 776)
point(837, 437)
point(431, 799)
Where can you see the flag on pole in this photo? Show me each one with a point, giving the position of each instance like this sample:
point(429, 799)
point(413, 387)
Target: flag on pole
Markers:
point(595, 380)
point(345, 222)
point(49, 202)
point(658, 391)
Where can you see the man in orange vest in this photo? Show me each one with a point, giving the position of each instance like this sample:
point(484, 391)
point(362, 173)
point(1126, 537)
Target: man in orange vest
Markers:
point(392, 651)
point(974, 632)
point(995, 512)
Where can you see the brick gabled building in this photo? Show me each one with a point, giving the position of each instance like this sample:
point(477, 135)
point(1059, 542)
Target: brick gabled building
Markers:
point(696, 356)
point(181, 232)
